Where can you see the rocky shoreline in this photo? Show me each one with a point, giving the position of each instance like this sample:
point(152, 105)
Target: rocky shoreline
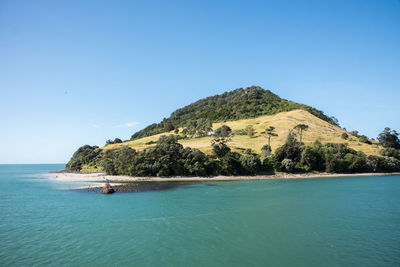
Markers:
point(136, 187)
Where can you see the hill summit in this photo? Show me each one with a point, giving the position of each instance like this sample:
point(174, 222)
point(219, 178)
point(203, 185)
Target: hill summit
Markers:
point(238, 104)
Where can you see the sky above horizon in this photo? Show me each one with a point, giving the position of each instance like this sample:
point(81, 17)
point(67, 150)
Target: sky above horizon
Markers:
point(82, 72)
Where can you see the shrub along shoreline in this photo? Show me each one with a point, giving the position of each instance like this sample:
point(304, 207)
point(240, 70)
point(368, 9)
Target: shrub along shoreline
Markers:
point(169, 158)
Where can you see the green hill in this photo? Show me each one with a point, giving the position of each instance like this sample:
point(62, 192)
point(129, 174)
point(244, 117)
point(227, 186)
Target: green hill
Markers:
point(238, 104)
point(190, 142)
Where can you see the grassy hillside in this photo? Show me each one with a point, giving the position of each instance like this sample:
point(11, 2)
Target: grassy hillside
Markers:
point(238, 104)
point(283, 122)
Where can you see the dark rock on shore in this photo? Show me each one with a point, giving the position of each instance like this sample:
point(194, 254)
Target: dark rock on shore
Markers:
point(136, 187)
point(107, 191)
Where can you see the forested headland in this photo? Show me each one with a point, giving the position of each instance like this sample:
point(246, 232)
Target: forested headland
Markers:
point(167, 156)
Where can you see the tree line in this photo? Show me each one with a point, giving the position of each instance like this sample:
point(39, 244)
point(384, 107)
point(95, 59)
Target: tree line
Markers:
point(170, 158)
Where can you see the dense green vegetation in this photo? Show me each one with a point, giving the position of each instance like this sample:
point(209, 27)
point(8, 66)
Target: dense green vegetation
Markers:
point(116, 141)
point(197, 128)
point(332, 158)
point(84, 155)
point(234, 105)
point(169, 158)
point(364, 139)
point(224, 131)
point(389, 138)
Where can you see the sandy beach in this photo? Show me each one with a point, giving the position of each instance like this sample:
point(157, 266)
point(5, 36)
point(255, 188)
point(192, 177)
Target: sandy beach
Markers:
point(101, 177)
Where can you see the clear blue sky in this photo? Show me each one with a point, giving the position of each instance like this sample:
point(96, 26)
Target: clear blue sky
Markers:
point(81, 72)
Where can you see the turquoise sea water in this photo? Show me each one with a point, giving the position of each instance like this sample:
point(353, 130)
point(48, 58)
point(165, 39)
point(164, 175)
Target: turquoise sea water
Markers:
point(310, 222)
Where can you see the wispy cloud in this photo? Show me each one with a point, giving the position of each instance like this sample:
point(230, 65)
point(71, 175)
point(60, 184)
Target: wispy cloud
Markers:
point(127, 124)
point(95, 126)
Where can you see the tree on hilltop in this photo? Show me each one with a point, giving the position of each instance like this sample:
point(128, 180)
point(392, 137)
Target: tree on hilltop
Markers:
point(301, 128)
point(116, 141)
point(270, 131)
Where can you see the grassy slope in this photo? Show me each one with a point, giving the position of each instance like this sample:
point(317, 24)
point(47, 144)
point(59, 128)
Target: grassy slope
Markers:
point(283, 123)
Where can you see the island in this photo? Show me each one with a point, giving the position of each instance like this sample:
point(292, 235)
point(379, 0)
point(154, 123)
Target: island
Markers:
point(246, 133)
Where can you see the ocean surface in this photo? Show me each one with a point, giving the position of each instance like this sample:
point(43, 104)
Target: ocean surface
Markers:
point(299, 222)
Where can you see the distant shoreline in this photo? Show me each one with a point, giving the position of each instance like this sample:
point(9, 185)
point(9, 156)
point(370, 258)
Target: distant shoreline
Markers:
point(101, 177)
